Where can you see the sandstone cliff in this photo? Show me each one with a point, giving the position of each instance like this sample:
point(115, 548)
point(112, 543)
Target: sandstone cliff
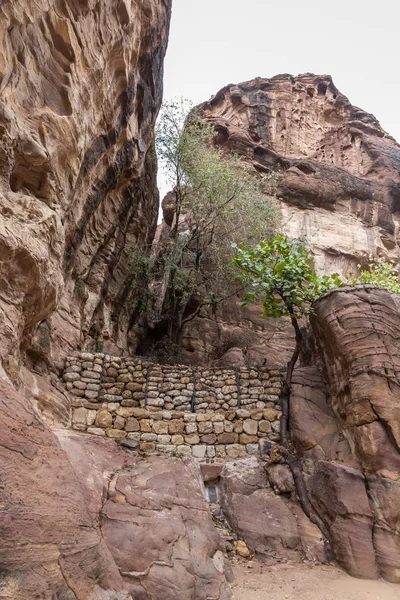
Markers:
point(81, 517)
point(81, 85)
point(340, 183)
point(339, 188)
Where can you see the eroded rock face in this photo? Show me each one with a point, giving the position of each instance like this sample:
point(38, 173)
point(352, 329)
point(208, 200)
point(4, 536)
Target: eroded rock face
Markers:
point(261, 509)
point(340, 171)
point(84, 519)
point(357, 331)
point(154, 520)
point(81, 87)
point(51, 543)
point(339, 188)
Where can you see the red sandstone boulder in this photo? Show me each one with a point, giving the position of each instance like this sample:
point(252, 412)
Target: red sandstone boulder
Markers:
point(357, 331)
point(270, 523)
point(51, 543)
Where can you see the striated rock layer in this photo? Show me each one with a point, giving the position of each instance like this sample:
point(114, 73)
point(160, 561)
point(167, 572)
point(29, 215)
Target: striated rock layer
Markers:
point(358, 331)
point(344, 421)
point(81, 84)
point(82, 518)
point(340, 184)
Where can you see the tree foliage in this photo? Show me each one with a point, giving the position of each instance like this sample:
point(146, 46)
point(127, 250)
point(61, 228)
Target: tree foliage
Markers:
point(380, 272)
point(217, 201)
point(279, 274)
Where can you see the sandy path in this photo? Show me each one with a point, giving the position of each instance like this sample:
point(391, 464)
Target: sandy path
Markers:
point(300, 582)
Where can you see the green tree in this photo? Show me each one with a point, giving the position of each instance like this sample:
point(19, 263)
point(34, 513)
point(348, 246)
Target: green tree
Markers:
point(280, 276)
point(216, 201)
point(380, 272)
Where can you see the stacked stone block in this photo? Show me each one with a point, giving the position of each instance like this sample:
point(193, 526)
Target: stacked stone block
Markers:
point(204, 412)
point(232, 434)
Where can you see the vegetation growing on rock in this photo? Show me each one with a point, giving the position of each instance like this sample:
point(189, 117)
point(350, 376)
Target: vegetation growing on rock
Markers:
point(215, 201)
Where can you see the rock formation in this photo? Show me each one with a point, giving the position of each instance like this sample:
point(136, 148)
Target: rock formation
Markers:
point(81, 86)
point(340, 184)
point(84, 517)
point(339, 187)
point(91, 520)
point(357, 332)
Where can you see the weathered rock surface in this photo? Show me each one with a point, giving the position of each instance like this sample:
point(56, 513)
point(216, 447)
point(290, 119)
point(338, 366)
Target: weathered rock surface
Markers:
point(358, 333)
point(349, 439)
point(161, 534)
point(260, 509)
point(51, 543)
point(340, 171)
point(89, 520)
point(339, 188)
point(81, 87)
point(154, 520)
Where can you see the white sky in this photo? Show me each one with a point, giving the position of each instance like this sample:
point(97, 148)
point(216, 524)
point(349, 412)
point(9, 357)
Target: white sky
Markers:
point(216, 42)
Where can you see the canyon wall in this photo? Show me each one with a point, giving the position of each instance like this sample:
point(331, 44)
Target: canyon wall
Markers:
point(81, 85)
point(88, 517)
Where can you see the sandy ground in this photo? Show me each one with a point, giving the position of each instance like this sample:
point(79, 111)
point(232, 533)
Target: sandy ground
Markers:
point(302, 582)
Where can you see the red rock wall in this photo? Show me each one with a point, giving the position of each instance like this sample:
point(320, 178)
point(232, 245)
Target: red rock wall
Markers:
point(349, 435)
point(81, 87)
point(340, 183)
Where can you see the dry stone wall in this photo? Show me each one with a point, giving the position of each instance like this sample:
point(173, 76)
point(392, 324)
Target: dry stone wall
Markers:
point(209, 413)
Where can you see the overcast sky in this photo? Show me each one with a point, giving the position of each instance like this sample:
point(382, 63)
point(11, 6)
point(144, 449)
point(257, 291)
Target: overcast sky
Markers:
point(216, 42)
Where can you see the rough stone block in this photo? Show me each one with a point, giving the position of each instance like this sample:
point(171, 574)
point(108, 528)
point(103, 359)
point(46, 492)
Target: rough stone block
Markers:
point(71, 376)
point(210, 438)
point(264, 426)
point(235, 451)
point(218, 427)
point(119, 423)
point(145, 426)
point(132, 425)
point(183, 450)
point(116, 434)
point(210, 451)
point(79, 416)
point(228, 438)
point(192, 439)
point(177, 440)
point(96, 431)
point(147, 447)
point(191, 428)
point(148, 437)
point(199, 451)
point(91, 417)
point(91, 374)
point(248, 439)
point(250, 427)
point(205, 427)
point(103, 419)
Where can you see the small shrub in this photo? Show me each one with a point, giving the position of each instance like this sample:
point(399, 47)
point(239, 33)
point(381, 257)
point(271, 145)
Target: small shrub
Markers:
point(80, 287)
point(380, 272)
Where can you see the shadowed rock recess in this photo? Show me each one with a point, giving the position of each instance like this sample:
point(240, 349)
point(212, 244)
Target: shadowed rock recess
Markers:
point(108, 479)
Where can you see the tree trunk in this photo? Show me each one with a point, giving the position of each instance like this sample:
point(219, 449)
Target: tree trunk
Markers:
point(287, 384)
point(287, 448)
